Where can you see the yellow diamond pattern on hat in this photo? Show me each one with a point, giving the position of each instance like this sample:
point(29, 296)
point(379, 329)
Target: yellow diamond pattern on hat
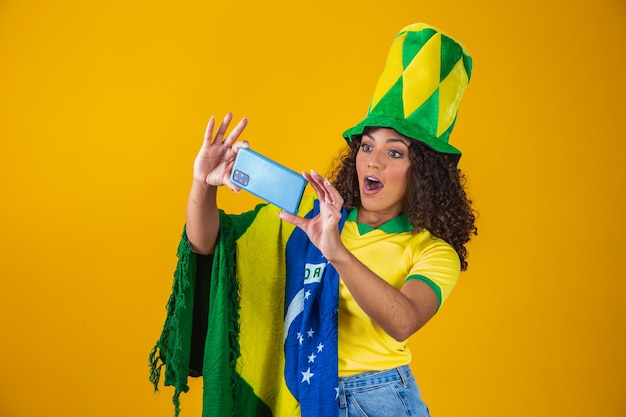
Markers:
point(393, 71)
point(450, 96)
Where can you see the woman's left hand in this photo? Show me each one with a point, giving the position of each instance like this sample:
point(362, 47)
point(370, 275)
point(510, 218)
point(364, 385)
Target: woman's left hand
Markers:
point(322, 230)
point(399, 312)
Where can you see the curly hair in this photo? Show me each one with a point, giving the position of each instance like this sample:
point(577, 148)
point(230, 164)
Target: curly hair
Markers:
point(436, 199)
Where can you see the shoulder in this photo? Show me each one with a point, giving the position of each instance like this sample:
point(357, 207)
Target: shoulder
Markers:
point(435, 262)
point(424, 243)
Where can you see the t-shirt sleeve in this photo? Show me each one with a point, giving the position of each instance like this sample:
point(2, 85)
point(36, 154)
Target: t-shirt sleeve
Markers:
point(437, 264)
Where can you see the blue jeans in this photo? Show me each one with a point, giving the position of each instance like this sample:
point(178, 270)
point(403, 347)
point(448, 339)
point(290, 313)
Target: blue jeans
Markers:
point(391, 393)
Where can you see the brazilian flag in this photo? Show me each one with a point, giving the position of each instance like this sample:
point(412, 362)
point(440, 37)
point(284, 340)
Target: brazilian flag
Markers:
point(257, 320)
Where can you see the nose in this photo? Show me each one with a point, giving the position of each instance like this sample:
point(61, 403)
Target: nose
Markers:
point(374, 161)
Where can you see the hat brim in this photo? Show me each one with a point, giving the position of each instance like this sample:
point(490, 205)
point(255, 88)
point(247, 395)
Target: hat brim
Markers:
point(404, 128)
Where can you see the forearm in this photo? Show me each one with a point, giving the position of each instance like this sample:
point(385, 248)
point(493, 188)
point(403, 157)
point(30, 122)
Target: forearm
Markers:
point(203, 220)
point(397, 312)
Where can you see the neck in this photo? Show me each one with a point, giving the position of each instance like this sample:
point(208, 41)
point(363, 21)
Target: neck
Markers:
point(374, 218)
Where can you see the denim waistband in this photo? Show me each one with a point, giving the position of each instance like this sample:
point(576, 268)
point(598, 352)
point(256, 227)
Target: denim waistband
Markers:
point(371, 379)
point(401, 373)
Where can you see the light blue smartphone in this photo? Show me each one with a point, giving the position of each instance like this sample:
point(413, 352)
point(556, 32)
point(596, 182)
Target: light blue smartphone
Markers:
point(268, 180)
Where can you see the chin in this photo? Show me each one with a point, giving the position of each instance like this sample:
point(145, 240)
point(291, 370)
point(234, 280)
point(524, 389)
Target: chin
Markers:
point(370, 205)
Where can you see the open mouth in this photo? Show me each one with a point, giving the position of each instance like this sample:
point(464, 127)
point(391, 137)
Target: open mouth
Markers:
point(372, 183)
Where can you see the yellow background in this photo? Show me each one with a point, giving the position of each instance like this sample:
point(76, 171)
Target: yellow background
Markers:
point(102, 109)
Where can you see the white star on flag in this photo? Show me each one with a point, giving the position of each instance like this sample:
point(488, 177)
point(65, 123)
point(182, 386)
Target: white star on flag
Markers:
point(312, 358)
point(310, 332)
point(306, 376)
point(320, 347)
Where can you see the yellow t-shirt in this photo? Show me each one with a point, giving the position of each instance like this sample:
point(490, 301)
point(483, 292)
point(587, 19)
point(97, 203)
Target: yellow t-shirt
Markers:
point(396, 254)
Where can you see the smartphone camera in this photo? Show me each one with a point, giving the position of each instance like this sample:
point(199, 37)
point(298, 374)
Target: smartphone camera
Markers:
point(241, 177)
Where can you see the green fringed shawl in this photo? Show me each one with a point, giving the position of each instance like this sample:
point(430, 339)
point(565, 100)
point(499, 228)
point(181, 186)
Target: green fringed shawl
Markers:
point(242, 354)
point(173, 348)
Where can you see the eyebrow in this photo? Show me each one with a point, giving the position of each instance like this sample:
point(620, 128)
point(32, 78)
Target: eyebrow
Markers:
point(389, 139)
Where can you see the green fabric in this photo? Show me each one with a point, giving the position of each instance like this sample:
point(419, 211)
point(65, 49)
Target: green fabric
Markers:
point(241, 222)
point(248, 404)
point(436, 288)
point(428, 113)
point(222, 345)
point(414, 43)
point(225, 393)
point(230, 349)
point(176, 334)
point(450, 50)
point(398, 224)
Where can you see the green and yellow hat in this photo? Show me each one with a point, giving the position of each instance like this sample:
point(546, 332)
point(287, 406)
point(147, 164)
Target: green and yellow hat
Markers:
point(419, 91)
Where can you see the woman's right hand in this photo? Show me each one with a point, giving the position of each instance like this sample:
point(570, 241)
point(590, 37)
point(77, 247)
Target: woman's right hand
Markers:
point(214, 162)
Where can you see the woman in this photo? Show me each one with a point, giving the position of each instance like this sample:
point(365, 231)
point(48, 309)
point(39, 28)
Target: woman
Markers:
point(392, 224)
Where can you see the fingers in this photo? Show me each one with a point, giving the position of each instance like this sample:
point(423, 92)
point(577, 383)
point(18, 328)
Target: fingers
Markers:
point(234, 134)
point(316, 182)
point(208, 133)
point(228, 183)
point(292, 218)
point(326, 192)
point(221, 131)
point(227, 180)
point(240, 144)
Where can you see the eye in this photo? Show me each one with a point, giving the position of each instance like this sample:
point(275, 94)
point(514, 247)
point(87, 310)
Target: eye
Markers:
point(394, 153)
point(366, 147)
